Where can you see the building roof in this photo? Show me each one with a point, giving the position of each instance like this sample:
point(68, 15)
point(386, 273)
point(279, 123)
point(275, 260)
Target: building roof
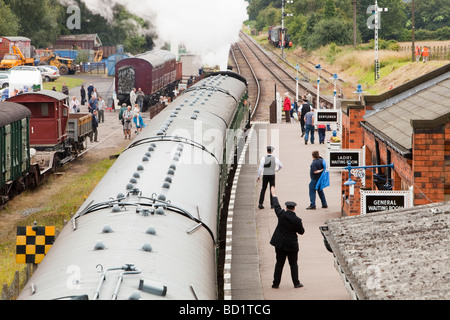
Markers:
point(392, 119)
point(156, 57)
point(17, 39)
point(82, 37)
point(48, 93)
point(397, 254)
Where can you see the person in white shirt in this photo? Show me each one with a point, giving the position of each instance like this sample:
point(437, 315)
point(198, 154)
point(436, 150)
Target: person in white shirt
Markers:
point(74, 105)
point(268, 166)
point(101, 110)
point(133, 97)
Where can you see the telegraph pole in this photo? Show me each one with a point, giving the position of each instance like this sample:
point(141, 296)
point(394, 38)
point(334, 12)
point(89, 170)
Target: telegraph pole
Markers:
point(354, 2)
point(413, 29)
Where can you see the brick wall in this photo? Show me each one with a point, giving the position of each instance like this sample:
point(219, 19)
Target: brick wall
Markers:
point(427, 169)
point(352, 138)
point(429, 165)
point(447, 163)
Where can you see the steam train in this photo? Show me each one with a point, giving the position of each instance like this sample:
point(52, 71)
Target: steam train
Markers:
point(149, 229)
point(156, 72)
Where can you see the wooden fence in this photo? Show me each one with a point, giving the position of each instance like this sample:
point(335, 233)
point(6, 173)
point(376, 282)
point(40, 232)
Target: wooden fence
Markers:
point(436, 52)
point(12, 291)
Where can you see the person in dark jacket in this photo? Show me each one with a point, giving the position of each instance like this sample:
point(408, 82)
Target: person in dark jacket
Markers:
point(285, 240)
point(83, 95)
point(94, 126)
point(315, 172)
point(304, 109)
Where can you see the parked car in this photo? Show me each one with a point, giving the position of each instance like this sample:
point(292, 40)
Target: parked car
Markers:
point(51, 67)
point(4, 80)
point(48, 73)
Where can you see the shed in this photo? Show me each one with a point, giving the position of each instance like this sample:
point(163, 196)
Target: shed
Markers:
point(49, 117)
point(78, 41)
point(24, 44)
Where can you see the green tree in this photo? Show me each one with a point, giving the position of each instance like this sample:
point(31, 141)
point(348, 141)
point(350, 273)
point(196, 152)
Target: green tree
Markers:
point(9, 26)
point(38, 20)
point(336, 30)
point(268, 17)
point(329, 9)
point(256, 6)
point(393, 22)
point(135, 44)
point(432, 14)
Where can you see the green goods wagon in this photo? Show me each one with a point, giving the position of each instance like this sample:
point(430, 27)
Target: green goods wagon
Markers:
point(14, 146)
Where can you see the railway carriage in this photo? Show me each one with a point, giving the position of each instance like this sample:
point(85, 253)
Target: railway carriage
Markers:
point(14, 149)
point(49, 137)
point(149, 229)
point(155, 72)
point(48, 125)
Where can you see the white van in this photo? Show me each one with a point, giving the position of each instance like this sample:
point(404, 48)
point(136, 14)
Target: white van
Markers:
point(24, 79)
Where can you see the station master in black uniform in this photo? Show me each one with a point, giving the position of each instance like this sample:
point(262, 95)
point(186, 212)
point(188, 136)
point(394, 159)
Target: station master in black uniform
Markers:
point(285, 240)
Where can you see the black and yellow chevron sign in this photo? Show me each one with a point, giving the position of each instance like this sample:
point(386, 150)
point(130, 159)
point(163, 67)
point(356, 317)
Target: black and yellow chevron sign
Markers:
point(33, 245)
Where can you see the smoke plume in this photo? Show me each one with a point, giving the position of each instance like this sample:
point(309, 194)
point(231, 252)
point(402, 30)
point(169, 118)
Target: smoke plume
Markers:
point(206, 28)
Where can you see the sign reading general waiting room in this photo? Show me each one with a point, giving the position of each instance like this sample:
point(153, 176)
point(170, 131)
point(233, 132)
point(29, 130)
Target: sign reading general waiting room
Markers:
point(374, 201)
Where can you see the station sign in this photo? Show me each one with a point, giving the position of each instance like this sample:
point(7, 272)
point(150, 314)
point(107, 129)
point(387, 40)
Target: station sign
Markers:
point(327, 116)
point(337, 159)
point(375, 201)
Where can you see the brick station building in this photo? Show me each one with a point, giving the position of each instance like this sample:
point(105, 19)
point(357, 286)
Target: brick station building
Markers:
point(408, 126)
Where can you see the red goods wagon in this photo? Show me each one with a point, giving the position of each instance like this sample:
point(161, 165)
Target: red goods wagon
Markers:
point(155, 72)
point(49, 117)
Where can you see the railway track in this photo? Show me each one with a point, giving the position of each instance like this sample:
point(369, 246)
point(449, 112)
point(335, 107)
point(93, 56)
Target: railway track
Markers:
point(285, 79)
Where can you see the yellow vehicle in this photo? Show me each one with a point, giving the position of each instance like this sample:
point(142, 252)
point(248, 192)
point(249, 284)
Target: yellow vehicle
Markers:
point(14, 59)
point(64, 65)
point(98, 56)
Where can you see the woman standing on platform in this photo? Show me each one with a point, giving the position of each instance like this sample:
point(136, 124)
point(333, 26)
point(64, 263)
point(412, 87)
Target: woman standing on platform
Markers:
point(287, 108)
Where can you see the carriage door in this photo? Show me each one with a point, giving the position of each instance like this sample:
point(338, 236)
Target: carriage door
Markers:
point(8, 152)
point(58, 120)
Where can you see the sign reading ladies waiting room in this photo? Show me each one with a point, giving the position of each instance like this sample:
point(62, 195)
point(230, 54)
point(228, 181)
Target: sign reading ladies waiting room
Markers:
point(340, 158)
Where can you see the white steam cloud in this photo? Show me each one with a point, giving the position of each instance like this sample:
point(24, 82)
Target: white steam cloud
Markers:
point(206, 28)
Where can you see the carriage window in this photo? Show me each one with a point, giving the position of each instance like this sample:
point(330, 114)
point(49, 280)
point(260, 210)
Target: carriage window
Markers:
point(44, 109)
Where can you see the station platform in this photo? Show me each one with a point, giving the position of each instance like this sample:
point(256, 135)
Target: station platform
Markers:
point(249, 256)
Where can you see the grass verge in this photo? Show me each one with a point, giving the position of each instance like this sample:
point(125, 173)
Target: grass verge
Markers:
point(54, 211)
point(69, 81)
